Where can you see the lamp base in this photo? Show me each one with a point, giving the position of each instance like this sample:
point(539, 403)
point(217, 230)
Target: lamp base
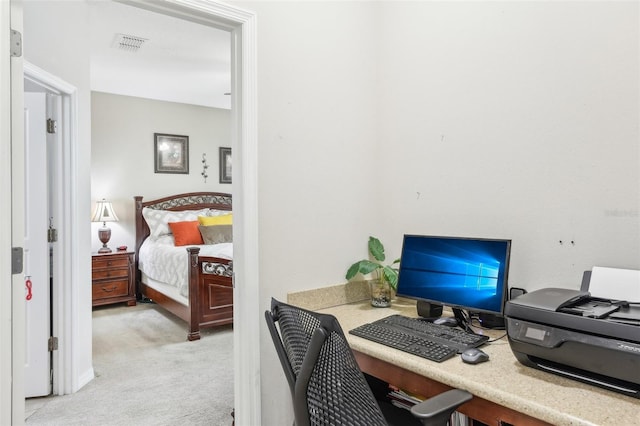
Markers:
point(104, 234)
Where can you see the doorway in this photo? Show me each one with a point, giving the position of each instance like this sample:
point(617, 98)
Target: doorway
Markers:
point(60, 103)
point(247, 320)
point(242, 26)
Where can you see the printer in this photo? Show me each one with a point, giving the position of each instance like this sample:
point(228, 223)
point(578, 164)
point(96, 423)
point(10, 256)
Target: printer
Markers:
point(572, 334)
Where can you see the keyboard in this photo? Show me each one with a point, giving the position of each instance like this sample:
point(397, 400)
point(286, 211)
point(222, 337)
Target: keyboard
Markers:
point(435, 342)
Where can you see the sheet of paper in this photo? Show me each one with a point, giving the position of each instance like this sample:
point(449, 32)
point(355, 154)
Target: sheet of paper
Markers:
point(613, 283)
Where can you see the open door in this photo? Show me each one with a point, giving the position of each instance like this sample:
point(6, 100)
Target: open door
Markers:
point(36, 251)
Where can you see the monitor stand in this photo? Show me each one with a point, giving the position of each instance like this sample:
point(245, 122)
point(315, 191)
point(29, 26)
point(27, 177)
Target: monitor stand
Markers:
point(463, 320)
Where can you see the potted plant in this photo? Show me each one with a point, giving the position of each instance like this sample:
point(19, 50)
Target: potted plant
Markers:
point(386, 275)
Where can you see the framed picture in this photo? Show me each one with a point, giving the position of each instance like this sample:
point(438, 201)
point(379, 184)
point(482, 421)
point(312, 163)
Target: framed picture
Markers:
point(171, 153)
point(225, 165)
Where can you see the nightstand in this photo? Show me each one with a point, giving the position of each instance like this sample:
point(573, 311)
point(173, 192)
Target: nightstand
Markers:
point(113, 278)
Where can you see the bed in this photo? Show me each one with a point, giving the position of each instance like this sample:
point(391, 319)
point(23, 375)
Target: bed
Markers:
point(196, 283)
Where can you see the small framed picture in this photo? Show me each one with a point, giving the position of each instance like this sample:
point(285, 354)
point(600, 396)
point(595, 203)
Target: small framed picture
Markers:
point(171, 153)
point(225, 165)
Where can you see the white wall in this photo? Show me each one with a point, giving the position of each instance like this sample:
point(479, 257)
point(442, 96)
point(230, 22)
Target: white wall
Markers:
point(53, 40)
point(317, 112)
point(318, 183)
point(514, 120)
point(495, 119)
point(122, 154)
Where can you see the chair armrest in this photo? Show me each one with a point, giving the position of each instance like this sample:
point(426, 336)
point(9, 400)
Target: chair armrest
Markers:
point(438, 409)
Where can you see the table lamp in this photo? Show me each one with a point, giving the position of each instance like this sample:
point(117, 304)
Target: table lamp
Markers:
point(104, 213)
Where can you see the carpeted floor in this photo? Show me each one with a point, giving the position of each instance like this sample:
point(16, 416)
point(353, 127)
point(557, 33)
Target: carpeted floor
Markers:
point(147, 373)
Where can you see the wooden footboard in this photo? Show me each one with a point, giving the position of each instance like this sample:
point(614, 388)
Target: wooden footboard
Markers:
point(211, 290)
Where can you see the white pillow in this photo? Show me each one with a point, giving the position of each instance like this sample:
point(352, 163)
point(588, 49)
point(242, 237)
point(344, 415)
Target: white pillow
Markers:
point(158, 220)
point(214, 212)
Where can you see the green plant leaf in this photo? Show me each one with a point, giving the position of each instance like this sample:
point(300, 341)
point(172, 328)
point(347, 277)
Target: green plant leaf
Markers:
point(367, 266)
point(387, 273)
point(390, 275)
point(353, 270)
point(363, 266)
point(376, 249)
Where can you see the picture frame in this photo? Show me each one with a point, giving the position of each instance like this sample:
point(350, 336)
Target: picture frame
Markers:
point(171, 153)
point(225, 164)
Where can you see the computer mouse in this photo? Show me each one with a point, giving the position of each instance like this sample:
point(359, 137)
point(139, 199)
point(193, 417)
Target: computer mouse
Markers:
point(448, 321)
point(474, 356)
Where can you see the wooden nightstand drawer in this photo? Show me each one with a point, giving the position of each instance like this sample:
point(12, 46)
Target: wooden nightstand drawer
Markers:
point(110, 273)
point(108, 289)
point(117, 261)
point(113, 278)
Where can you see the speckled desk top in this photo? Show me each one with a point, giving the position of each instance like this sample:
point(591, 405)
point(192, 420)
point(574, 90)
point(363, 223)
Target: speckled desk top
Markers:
point(502, 379)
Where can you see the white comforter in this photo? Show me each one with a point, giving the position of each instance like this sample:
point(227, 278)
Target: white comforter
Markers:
point(161, 260)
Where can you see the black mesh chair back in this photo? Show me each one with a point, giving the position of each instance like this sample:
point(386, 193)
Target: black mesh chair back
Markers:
point(327, 386)
point(326, 383)
point(296, 329)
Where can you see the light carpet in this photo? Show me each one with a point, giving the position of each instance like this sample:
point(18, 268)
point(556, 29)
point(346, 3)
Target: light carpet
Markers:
point(147, 373)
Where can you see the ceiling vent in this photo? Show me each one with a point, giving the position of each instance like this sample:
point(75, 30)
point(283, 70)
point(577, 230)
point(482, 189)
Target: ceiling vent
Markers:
point(128, 42)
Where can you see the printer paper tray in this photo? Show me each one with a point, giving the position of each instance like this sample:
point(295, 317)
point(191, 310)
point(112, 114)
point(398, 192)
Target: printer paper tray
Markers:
point(591, 378)
point(608, 363)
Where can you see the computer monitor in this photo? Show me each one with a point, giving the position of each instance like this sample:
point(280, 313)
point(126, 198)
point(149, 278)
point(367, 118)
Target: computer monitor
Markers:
point(463, 273)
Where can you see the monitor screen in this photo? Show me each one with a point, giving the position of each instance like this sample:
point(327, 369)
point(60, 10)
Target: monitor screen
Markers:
point(463, 273)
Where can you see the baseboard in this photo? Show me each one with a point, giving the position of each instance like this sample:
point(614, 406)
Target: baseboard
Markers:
point(85, 378)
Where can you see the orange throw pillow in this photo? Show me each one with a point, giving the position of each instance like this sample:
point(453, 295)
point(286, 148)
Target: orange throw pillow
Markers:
point(185, 233)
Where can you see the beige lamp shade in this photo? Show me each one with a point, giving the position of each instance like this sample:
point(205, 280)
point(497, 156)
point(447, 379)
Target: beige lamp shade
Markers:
point(104, 212)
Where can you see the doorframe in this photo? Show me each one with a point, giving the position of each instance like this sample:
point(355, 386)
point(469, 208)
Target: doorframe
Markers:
point(5, 218)
point(64, 305)
point(242, 26)
point(244, 121)
point(12, 320)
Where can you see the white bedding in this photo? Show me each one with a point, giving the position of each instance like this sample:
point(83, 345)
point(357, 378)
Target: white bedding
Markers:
point(161, 260)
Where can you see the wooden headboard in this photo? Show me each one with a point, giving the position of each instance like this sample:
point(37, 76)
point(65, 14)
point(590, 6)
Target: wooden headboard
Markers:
point(187, 201)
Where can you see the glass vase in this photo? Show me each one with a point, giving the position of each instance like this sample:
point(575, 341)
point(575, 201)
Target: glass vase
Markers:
point(380, 293)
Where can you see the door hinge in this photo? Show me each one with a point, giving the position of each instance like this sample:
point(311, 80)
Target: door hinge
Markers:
point(52, 125)
point(53, 344)
point(52, 233)
point(16, 260)
point(16, 43)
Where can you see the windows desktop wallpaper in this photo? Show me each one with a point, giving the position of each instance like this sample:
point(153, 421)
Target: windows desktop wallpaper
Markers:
point(458, 272)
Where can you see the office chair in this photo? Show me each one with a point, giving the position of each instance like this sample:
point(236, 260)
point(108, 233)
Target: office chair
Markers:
point(326, 383)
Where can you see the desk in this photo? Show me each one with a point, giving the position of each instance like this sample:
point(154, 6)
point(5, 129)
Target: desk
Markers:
point(503, 389)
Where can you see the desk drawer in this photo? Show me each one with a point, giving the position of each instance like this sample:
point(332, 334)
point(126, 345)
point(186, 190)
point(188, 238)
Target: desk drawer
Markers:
point(113, 288)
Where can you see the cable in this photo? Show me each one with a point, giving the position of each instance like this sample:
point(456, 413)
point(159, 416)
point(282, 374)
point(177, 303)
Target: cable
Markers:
point(497, 338)
point(464, 319)
point(482, 327)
